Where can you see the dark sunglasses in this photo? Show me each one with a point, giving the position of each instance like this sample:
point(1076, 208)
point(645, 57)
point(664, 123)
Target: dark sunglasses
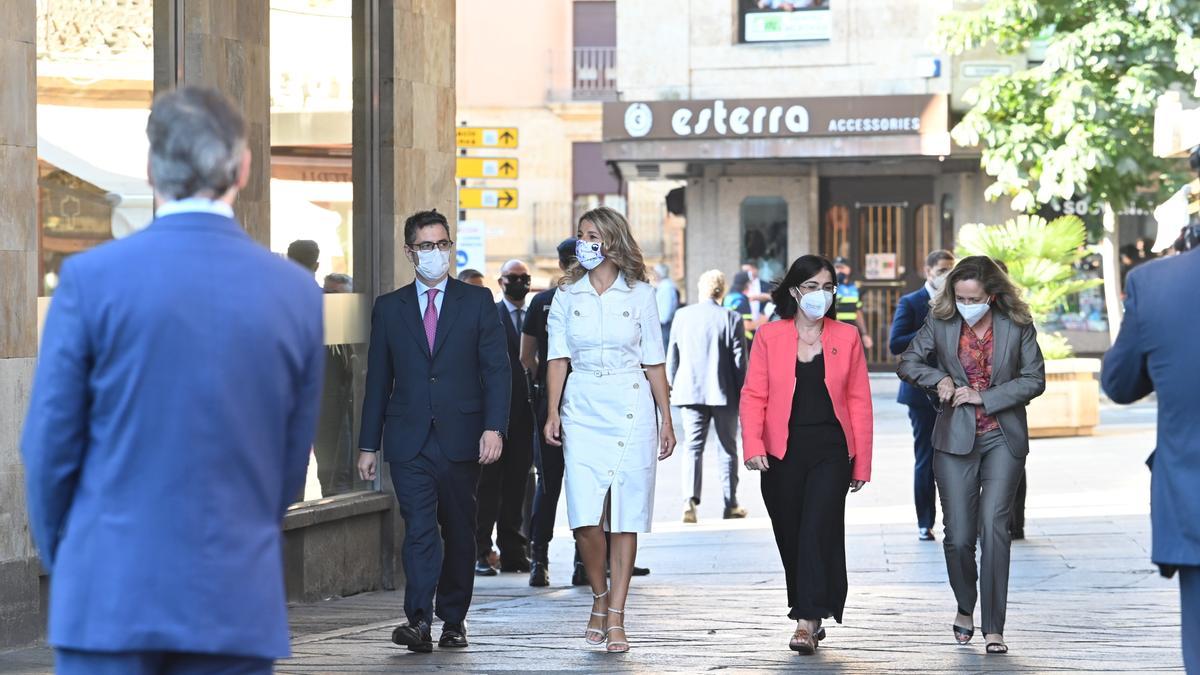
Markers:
point(518, 278)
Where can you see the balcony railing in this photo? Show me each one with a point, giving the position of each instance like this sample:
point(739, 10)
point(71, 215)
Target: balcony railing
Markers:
point(595, 74)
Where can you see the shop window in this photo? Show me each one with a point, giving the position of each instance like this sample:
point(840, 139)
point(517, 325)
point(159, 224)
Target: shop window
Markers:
point(95, 71)
point(764, 236)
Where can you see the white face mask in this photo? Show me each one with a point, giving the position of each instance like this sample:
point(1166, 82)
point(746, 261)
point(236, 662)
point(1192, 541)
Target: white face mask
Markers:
point(588, 254)
point(432, 265)
point(938, 282)
point(814, 304)
point(972, 313)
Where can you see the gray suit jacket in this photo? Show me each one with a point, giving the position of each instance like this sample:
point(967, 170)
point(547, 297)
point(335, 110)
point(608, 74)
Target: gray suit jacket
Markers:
point(1018, 377)
point(706, 355)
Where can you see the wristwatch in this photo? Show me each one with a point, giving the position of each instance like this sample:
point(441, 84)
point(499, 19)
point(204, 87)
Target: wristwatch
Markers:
point(497, 432)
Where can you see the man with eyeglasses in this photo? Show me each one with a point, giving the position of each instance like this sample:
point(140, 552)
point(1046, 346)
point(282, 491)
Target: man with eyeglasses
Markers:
point(438, 382)
point(502, 486)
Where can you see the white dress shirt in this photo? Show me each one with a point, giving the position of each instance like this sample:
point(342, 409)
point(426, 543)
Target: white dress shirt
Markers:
point(194, 205)
point(423, 295)
point(512, 313)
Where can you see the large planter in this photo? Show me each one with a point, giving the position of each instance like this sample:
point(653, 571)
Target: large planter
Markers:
point(1071, 404)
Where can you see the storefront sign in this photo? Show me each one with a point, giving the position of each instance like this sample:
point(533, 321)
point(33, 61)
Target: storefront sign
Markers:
point(472, 245)
point(880, 266)
point(787, 117)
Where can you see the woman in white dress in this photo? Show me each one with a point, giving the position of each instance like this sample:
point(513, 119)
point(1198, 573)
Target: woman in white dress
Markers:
point(615, 418)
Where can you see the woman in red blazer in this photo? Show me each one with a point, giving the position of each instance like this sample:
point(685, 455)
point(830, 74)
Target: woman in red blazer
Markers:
point(807, 425)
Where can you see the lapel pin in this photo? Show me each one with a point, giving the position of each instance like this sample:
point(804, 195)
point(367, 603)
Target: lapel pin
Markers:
point(834, 351)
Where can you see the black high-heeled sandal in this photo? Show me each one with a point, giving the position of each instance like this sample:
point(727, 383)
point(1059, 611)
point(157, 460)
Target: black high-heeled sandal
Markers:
point(963, 635)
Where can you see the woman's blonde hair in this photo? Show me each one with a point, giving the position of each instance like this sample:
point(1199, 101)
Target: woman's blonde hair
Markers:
point(996, 283)
point(712, 284)
point(619, 247)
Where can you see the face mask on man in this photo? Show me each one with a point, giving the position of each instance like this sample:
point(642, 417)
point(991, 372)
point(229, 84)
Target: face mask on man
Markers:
point(588, 254)
point(972, 313)
point(516, 290)
point(937, 282)
point(432, 265)
point(814, 304)
point(842, 277)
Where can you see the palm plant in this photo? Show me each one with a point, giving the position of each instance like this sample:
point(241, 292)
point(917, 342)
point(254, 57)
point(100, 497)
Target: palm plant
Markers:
point(1041, 257)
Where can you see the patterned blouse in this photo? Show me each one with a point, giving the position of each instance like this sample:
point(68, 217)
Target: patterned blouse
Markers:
point(975, 353)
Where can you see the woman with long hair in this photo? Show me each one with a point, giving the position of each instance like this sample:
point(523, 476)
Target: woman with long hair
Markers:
point(807, 426)
point(986, 367)
point(615, 417)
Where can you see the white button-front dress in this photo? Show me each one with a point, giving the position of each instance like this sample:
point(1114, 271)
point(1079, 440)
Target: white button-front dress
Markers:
point(609, 420)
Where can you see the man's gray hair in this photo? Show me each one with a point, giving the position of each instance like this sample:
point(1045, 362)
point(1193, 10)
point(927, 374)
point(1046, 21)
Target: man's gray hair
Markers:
point(197, 141)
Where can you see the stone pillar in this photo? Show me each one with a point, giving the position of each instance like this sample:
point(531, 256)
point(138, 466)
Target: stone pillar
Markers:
point(417, 112)
point(22, 617)
point(224, 44)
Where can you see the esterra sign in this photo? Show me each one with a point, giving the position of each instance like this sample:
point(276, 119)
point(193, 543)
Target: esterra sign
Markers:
point(781, 117)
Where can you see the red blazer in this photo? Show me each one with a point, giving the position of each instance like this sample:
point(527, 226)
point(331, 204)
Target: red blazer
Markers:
point(766, 403)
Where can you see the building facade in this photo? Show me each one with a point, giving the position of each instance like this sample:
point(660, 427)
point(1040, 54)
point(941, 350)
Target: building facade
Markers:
point(817, 127)
point(347, 140)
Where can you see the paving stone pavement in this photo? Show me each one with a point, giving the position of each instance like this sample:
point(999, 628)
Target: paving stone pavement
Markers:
point(1083, 594)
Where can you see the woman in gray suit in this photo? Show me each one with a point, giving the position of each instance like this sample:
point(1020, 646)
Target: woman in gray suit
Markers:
point(978, 349)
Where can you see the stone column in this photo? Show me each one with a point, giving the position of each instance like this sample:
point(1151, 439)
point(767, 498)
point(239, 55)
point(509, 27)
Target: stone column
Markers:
point(22, 617)
point(224, 44)
point(417, 111)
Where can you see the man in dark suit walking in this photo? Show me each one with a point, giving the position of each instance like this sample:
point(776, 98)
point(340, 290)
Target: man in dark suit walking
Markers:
point(170, 423)
point(910, 316)
point(436, 403)
point(502, 486)
point(1155, 352)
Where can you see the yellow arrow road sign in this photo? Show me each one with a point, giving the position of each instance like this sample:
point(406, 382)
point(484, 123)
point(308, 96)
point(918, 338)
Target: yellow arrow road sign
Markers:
point(487, 167)
point(487, 198)
point(486, 137)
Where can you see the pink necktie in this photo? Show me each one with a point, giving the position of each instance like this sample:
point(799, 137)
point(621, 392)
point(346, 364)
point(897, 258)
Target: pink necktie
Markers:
point(431, 318)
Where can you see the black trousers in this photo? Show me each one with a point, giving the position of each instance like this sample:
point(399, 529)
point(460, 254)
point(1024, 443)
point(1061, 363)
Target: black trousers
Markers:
point(437, 502)
point(924, 491)
point(550, 470)
point(805, 496)
point(502, 491)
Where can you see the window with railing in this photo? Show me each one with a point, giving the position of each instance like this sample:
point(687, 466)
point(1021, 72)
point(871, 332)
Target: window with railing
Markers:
point(595, 73)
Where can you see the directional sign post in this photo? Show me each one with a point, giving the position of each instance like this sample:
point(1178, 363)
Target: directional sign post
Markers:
point(487, 198)
point(487, 167)
point(486, 137)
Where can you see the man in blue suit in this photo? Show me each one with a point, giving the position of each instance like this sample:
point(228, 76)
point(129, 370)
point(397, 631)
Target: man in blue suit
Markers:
point(437, 403)
point(171, 422)
point(1156, 352)
point(910, 316)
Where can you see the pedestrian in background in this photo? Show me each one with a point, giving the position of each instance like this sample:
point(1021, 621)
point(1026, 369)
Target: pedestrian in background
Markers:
point(438, 384)
point(502, 485)
point(706, 366)
point(910, 316)
point(807, 426)
point(170, 424)
point(471, 276)
point(739, 302)
point(986, 368)
point(758, 292)
point(849, 300)
point(666, 294)
point(334, 446)
point(615, 420)
point(1155, 352)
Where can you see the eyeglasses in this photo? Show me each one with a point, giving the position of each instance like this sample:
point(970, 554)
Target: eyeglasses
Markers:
point(518, 278)
point(810, 286)
point(427, 246)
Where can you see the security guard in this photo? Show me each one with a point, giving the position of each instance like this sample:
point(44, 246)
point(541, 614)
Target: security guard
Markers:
point(849, 300)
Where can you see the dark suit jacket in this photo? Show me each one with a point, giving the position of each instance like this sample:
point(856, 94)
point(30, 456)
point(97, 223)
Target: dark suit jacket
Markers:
point(456, 392)
point(1018, 377)
point(519, 405)
point(910, 316)
point(1156, 352)
point(169, 428)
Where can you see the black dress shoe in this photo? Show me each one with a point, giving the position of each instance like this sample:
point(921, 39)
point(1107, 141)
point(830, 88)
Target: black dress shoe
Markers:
point(520, 565)
point(417, 638)
point(453, 637)
point(640, 571)
point(925, 534)
point(540, 574)
point(579, 577)
point(483, 568)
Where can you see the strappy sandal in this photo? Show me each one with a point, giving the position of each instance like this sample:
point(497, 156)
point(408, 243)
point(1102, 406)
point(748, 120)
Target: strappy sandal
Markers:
point(603, 635)
point(622, 646)
point(994, 647)
point(803, 642)
point(963, 635)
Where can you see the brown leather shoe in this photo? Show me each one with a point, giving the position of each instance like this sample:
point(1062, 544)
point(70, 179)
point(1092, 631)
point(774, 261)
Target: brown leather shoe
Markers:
point(802, 642)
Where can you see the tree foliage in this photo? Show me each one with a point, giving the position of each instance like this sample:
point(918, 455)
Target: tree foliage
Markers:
point(1082, 121)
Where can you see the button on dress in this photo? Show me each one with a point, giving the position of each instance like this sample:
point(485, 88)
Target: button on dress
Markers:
point(609, 420)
